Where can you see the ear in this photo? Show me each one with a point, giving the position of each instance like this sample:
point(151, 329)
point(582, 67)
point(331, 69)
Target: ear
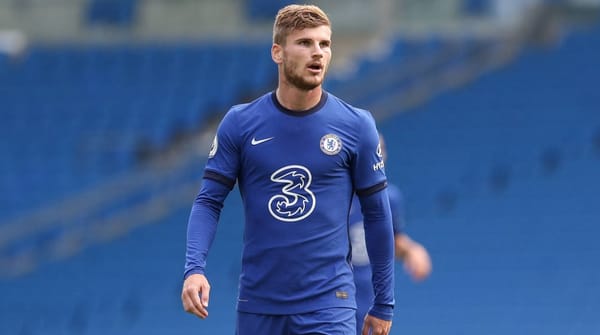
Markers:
point(277, 53)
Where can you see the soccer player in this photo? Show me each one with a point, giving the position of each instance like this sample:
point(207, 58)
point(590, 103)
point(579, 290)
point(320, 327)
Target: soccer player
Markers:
point(298, 154)
point(414, 256)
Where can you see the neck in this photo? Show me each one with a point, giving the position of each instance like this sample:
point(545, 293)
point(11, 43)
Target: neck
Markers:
point(295, 99)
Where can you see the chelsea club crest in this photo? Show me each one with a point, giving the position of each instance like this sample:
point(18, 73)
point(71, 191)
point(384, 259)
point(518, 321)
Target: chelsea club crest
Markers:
point(331, 144)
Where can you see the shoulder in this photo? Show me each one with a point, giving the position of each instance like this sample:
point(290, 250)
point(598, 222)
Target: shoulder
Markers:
point(358, 121)
point(351, 111)
point(246, 108)
point(244, 115)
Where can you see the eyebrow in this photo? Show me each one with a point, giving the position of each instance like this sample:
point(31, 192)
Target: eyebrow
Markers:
point(302, 39)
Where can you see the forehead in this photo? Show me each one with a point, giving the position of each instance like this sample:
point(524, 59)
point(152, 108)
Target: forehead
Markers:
point(320, 33)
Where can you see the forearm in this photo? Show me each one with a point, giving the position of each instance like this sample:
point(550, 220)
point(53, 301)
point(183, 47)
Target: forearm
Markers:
point(380, 246)
point(202, 225)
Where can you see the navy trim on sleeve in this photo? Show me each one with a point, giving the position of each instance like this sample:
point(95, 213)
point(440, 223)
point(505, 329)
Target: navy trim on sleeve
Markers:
point(219, 178)
point(373, 189)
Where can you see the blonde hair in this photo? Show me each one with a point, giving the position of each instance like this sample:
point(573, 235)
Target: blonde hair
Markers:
point(297, 17)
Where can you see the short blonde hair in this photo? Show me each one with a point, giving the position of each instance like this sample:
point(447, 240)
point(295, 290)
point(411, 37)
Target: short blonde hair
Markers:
point(297, 17)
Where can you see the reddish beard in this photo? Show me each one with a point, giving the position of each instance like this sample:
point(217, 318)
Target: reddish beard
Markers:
point(297, 80)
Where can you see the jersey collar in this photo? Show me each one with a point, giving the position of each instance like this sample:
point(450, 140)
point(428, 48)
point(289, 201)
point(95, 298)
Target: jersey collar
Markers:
point(312, 110)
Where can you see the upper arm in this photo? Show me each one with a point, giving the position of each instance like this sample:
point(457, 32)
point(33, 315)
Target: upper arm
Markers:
point(224, 156)
point(368, 167)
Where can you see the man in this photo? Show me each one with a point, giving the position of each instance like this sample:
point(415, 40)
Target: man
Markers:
point(299, 154)
point(414, 256)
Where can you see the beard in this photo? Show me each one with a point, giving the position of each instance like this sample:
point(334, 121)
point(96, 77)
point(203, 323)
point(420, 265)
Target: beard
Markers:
point(298, 81)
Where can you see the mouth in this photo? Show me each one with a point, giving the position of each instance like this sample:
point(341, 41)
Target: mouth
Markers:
point(315, 67)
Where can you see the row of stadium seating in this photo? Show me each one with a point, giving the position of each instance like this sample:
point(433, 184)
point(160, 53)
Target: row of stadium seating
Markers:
point(519, 121)
point(74, 115)
point(502, 182)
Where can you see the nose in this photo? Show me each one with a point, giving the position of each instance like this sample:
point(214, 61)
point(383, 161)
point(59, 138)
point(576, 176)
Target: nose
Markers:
point(318, 51)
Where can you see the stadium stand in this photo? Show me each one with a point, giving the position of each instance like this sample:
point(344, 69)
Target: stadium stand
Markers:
point(512, 258)
point(114, 12)
point(106, 103)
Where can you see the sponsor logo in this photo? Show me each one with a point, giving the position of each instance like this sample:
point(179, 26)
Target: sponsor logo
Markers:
point(378, 166)
point(256, 142)
point(213, 148)
point(296, 201)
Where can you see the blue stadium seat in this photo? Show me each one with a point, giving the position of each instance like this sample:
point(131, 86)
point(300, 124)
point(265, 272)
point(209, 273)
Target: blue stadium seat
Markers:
point(104, 100)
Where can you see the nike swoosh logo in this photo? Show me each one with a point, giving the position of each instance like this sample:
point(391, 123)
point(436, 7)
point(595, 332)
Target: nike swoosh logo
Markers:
point(255, 141)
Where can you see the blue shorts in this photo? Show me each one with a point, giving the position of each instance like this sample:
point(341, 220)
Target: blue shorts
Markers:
point(330, 321)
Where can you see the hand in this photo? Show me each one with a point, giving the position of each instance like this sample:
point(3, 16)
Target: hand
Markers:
point(376, 326)
point(417, 262)
point(195, 294)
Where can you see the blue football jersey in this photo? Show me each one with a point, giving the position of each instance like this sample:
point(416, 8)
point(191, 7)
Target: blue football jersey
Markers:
point(297, 173)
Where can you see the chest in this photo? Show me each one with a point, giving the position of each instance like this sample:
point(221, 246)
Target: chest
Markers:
point(318, 148)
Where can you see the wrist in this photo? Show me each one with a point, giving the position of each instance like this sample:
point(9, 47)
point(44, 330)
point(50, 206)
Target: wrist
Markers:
point(383, 312)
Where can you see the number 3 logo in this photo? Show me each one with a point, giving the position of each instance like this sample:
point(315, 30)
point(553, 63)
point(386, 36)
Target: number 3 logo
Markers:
point(296, 201)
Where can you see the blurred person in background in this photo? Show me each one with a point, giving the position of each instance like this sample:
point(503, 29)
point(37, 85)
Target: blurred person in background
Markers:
point(299, 155)
point(415, 257)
